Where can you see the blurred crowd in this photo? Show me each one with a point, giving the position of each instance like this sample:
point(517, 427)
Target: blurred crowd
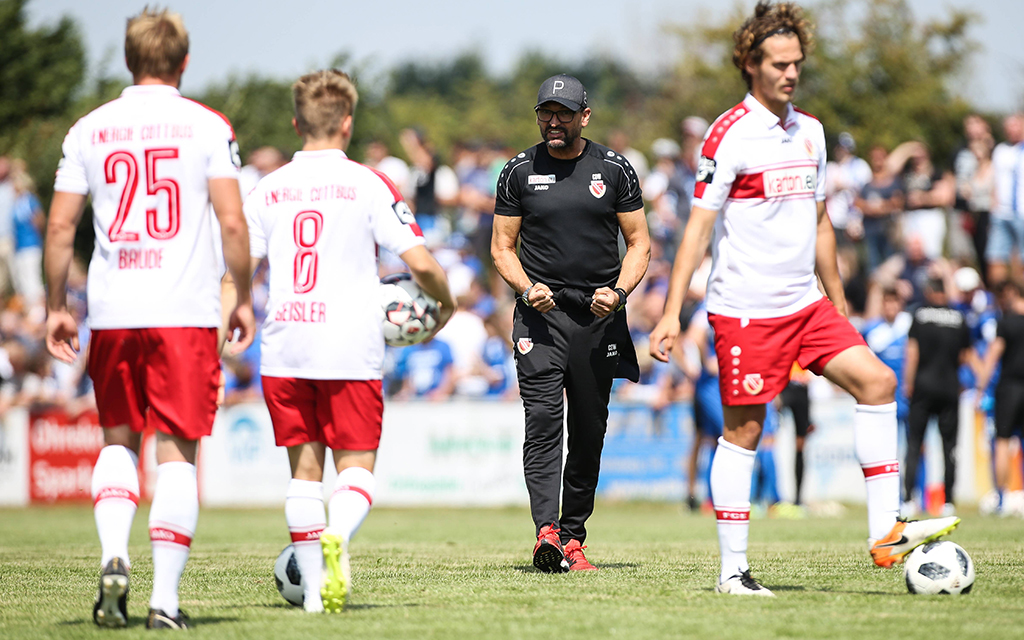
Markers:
point(901, 218)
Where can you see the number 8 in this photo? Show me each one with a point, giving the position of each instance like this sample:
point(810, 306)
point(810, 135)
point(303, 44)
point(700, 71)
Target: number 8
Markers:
point(306, 257)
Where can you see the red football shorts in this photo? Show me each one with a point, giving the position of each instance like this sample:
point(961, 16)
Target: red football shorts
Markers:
point(755, 355)
point(342, 414)
point(169, 375)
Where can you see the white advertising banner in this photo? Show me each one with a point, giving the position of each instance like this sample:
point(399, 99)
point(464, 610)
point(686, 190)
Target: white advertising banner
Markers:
point(14, 476)
point(463, 453)
point(439, 454)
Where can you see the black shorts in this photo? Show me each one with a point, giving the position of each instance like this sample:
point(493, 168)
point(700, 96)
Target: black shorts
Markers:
point(796, 398)
point(1009, 407)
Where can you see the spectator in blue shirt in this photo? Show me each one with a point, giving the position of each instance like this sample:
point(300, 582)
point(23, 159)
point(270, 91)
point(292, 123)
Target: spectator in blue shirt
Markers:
point(28, 218)
point(425, 370)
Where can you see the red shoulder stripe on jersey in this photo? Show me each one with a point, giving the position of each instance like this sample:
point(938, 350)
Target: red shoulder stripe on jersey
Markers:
point(720, 127)
point(391, 185)
point(397, 195)
point(812, 117)
point(218, 113)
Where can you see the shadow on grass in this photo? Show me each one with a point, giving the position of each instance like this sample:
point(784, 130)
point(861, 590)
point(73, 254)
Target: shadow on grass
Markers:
point(348, 607)
point(529, 568)
point(793, 587)
point(140, 621)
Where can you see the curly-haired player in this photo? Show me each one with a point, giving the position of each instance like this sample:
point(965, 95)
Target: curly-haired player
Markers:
point(760, 193)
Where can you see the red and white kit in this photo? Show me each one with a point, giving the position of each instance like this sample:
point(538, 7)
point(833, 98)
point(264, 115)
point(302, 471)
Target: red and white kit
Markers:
point(146, 158)
point(154, 287)
point(766, 176)
point(319, 221)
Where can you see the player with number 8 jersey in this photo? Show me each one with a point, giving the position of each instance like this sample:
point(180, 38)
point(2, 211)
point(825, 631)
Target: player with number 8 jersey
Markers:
point(318, 221)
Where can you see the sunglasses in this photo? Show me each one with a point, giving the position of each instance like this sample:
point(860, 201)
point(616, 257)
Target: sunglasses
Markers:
point(564, 115)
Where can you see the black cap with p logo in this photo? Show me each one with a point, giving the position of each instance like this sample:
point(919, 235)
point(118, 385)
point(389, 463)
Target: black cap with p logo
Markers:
point(565, 90)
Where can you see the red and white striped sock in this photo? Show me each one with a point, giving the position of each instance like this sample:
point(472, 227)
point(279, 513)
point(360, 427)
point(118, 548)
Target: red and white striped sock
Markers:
point(304, 511)
point(350, 501)
point(731, 473)
point(115, 496)
point(172, 525)
point(875, 442)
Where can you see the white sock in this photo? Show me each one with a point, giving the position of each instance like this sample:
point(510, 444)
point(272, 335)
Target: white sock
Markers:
point(731, 474)
point(304, 511)
point(350, 502)
point(875, 442)
point(115, 496)
point(172, 524)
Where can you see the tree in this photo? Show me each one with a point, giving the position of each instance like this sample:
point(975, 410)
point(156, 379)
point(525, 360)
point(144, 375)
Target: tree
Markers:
point(40, 70)
point(875, 72)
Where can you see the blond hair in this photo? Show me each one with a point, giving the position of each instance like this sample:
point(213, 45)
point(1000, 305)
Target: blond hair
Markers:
point(155, 43)
point(322, 100)
point(784, 18)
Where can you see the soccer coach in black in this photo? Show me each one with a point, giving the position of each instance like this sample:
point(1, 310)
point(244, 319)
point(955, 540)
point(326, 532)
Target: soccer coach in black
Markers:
point(565, 201)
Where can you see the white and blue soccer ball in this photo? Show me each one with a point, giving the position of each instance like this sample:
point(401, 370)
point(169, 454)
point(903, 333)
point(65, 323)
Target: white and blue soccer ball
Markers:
point(940, 567)
point(410, 314)
point(288, 577)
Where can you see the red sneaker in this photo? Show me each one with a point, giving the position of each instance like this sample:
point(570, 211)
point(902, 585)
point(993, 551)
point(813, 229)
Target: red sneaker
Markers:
point(577, 561)
point(548, 555)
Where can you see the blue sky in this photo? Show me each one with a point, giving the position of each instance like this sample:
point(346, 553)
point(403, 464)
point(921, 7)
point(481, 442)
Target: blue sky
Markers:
point(285, 39)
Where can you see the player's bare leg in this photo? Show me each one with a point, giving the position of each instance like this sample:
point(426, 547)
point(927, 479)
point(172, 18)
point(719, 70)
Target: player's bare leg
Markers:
point(349, 505)
point(115, 493)
point(873, 385)
point(306, 517)
point(731, 473)
point(172, 525)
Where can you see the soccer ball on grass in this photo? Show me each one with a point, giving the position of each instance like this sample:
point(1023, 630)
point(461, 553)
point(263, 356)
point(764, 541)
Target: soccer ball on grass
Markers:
point(410, 314)
point(288, 577)
point(939, 567)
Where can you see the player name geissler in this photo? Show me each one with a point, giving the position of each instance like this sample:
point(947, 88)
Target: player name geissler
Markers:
point(301, 311)
point(316, 194)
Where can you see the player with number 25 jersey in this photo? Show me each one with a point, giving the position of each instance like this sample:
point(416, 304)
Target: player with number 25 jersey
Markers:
point(146, 158)
point(154, 163)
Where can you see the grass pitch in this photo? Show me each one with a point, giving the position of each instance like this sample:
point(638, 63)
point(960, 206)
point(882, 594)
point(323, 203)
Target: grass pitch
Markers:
point(442, 573)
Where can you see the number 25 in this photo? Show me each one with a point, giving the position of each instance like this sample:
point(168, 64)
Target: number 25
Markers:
point(154, 186)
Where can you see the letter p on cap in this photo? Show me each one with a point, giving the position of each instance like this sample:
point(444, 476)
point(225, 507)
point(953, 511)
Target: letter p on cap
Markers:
point(558, 85)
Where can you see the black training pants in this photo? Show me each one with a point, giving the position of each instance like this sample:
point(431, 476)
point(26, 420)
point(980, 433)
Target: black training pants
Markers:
point(923, 406)
point(574, 352)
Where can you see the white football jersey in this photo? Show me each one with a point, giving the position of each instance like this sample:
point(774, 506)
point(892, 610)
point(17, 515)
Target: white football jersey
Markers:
point(766, 178)
point(146, 159)
point(319, 220)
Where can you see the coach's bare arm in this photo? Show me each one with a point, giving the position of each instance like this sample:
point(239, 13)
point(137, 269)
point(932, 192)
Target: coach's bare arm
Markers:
point(634, 264)
point(61, 329)
point(431, 277)
point(691, 251)
point(825, 261)
point(503, 252)
point(227, 205)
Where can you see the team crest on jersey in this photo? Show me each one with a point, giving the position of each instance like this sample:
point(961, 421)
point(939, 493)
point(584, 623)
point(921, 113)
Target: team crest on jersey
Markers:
point(705, 169)
point(809, 147)
point(597, 188)
point(525, 345)
point(753, 383)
